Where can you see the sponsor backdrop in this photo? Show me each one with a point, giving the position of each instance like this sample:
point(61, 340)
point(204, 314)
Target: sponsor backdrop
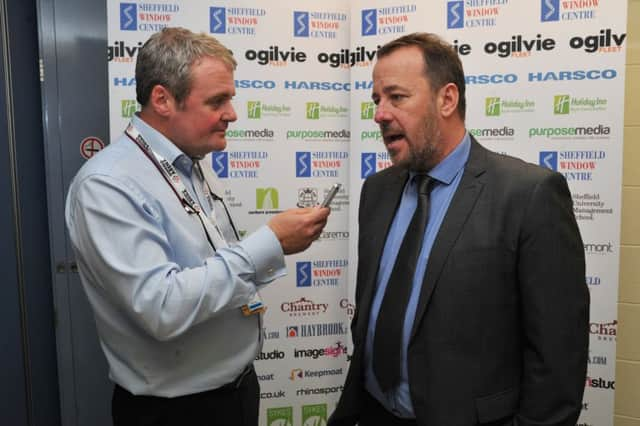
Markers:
point(545, 82)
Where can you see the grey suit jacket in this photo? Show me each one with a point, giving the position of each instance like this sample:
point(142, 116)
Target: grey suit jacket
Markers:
point(501, 330)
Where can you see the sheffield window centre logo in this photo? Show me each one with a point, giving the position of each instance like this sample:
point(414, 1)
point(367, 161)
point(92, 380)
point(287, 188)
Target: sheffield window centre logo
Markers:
point(474, 13)
point(386, 20)
point(323, 25)
point(150, 17)
point(568, 10)
point(235, 20)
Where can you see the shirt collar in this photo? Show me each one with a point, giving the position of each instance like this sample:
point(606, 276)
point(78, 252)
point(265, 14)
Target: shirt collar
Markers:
point(162, 145)
point(446, 170)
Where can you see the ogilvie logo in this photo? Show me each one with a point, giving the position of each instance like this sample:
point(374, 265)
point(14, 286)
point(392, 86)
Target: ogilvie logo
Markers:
point(303, 307)
point(600, 383)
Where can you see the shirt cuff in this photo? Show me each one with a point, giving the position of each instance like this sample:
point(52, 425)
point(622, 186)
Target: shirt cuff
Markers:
point(265, 251)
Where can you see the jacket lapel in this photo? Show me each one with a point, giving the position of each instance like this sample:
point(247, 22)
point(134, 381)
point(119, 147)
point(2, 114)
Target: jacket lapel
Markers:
point(459, 210)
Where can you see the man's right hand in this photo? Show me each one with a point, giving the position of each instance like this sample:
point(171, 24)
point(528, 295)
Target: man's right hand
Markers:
point(296, 229)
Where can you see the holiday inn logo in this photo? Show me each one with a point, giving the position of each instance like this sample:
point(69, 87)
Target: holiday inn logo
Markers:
point(257, 110)
point(314, 415)
point(367, 110)
point(566, 104)
point(496, 106)
point(128, 107)
point(316, 111)
point(313, 110)
point(254, 110)
point(280, 416)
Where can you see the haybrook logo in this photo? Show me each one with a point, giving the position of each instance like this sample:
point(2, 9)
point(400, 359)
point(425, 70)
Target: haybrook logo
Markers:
point(121, 52)
point(319, 135)
point(335, 86)
point(490, 79)
point(316, 111)
point(495, 106)
point(257, 110)
point(280, 416)
point(568, 10)
point(238, 164)
point(320, 273)
point(589, 206)
point(320, 163)
point(367, 110)
point(330, 351)
point(299, 373)
point(320, 25)
point(591, 132)
point(151, 17)
point(574, 165)
point(576, 75)
point(128, 107)
point(303, 307)
point(255, 84)
point(474, 13)
point(372, 162)
point(565, 104)
point(519, 46)
point(314, 415)
point(386, 20)
point(604, 42)
point(604, 331)
point(346, 58)
point(235, 20)
point(251, 135)
point(275, 56)
point(494, 133)
point(317, 330)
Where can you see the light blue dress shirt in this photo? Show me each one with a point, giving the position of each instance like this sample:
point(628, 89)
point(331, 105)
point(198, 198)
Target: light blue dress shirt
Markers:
point(166, 304)
point(447, 175)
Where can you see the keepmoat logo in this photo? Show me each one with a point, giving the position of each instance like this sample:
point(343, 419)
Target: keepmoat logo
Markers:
point(314, 415)
point(574, 165)
point(496, 106)
point(299, 373)
point(590, 206)
point(474, 13)
point(128, 107)
point(151, 17)
point(303, 307)
point(331, 351)
point(257, 110)
point(320, 163)
point(494, 133)
point(599, 131)
point(322, 25)
point(317, 329)
point(235, 20)
point(604, 331)
point(372, 162)
point(280, 416)
point(320, 273)
point(316, 111)
point(565, 104)
point(238, 164)
point(386, 20)
point(121, 51)
point(568, 10)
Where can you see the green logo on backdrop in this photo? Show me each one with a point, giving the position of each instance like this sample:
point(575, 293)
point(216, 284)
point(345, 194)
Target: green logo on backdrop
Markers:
point(313, 110)
point(282, 416)
point(561, 104)
point(254, 109)
point(314, 415)
point(367, 109)
point(492, 107)
point(128, 107)
point(266, 198)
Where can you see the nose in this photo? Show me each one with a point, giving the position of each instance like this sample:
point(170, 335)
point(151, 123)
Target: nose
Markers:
point(230, 114)
point(382, 115)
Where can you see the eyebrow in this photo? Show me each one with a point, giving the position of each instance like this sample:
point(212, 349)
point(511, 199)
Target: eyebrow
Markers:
point(389, 89)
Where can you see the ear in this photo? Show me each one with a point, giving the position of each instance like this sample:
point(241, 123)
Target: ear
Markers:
point(448, 100)
point(161, 101)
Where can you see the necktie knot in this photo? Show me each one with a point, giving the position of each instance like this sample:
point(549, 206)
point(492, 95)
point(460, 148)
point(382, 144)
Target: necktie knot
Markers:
point(423, 184)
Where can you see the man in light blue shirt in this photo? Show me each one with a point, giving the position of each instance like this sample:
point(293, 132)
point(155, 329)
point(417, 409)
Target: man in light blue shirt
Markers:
point(174, 290)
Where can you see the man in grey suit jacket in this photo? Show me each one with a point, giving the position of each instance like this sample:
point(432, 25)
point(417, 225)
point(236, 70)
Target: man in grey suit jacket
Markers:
point(495, 327)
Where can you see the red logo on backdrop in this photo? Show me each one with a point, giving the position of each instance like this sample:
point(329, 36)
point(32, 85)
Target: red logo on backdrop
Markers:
point(90, 146)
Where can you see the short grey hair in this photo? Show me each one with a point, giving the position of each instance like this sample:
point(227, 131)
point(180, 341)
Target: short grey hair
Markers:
point(166, 59)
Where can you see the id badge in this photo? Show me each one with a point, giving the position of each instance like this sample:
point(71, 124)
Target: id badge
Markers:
point(254, 307)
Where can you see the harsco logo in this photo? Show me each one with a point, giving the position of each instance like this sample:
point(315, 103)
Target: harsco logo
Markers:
point(255, 84)
point(120, 52)
point(490, 78)
point(607, 74)
point(605, 42)
point(281, 416)
point(275, 57)
point(553, 11)
point(124, 81)
point(317, 85)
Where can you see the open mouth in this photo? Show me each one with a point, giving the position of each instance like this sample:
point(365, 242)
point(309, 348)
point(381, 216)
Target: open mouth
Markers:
point(389, 139)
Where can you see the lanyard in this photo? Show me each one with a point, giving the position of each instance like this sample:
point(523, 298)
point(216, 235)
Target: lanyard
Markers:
point(171, 176)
